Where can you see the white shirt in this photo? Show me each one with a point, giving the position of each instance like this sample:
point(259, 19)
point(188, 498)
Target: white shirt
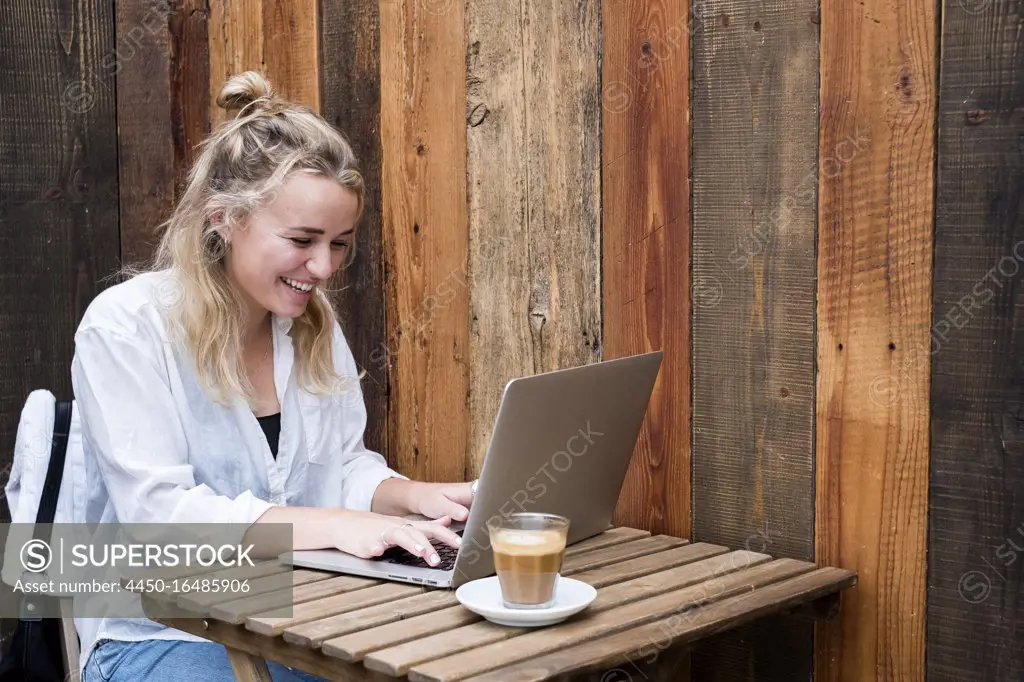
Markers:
point(166, 452)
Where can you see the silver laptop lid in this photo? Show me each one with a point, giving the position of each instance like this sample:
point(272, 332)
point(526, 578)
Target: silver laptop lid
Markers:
point(561, 443)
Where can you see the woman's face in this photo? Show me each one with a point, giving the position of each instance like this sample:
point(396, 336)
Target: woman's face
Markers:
point(293, 243)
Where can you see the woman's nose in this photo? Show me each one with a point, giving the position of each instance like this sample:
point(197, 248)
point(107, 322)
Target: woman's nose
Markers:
point(319, 265)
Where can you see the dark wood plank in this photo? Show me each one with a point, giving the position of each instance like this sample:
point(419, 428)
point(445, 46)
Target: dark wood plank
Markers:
point(161, 114)
point(190, 68)
point(350, 83)
point(645, 201)
point(976, 509)
point(874, 312)
point(754, 205)
point(426, 233)
point(685, 625)
point(58, 192)
point(145, 120)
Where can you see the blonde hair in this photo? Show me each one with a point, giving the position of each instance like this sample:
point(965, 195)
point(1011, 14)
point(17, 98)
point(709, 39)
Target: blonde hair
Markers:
point(239, 165)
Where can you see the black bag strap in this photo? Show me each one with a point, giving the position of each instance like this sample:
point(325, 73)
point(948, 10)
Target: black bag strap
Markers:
point(55, 470)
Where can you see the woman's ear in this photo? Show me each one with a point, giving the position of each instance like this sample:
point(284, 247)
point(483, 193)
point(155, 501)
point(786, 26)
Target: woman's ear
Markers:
point(221, 226)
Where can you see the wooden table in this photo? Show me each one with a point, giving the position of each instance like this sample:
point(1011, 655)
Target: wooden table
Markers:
point(652, 591)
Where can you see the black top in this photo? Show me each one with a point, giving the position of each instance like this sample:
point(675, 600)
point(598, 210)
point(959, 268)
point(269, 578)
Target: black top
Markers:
point(271, 425)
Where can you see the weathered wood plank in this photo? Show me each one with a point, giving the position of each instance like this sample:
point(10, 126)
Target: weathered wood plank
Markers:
point(58, 191)
point(423, 137)
point(237, 611)
point(683, 626)
point(290, 49)
point(350, 82)
point(755, 139)
point(534, 200)
point(356, 646)
point(646, 242)
point(337, 603)
point(614, 536)
point(610, 555)
point(874, 313)
point(499, 274)
point(163, 51)
point(615, 606)
point(144, 123)
point(236, 35)
point(976, 509)
point(275, 649)
point(190, 102)
point(202, 601)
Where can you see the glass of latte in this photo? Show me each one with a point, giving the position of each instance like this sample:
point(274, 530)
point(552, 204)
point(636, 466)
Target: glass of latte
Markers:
point(528, 549)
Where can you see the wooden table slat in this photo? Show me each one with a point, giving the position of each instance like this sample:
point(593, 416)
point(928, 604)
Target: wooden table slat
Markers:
point(276, 649)
point(202, 601)
point(260, 569)
point(339, 603)
point(235, 612)
point(676, 629)
point(355, 646)
point(613, 536)
point(621, 552)
point(645, 597)
point(314, 633)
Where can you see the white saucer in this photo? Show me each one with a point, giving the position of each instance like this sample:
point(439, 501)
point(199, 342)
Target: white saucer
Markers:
point(483, 597)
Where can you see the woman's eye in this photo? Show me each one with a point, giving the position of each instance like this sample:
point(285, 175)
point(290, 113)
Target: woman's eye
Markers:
point(337, 246)
point(302, 242)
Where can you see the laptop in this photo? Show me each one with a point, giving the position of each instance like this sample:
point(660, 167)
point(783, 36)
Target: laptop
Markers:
point(561, 444)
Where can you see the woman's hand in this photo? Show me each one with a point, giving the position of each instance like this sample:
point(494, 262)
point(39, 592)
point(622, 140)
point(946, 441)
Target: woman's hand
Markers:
point(362, 534)
point(434, 500)
point(366, 534)
point(437, 500)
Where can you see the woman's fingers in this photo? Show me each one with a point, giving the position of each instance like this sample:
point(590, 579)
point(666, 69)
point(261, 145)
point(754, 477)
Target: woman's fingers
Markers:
point(415, 541)
point(444, 534)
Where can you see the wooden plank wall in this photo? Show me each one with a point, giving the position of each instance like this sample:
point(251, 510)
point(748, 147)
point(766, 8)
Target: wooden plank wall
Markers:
point(536, 200)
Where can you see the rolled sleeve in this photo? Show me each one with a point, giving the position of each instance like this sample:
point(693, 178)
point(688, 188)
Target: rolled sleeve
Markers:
point(361, 476)
point(131, 426)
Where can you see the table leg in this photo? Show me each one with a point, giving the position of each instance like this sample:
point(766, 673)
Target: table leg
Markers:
point(248, 668)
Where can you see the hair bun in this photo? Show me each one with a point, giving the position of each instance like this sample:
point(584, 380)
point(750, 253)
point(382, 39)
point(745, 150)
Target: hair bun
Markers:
point(243, 90)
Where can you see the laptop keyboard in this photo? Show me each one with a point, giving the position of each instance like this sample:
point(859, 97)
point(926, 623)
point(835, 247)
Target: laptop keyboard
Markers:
point(401, 556)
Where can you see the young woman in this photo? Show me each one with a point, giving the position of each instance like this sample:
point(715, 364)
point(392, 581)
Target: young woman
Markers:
point(217, 387)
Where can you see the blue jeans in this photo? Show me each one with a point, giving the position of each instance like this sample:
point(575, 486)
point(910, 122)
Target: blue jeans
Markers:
point(158, 660)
